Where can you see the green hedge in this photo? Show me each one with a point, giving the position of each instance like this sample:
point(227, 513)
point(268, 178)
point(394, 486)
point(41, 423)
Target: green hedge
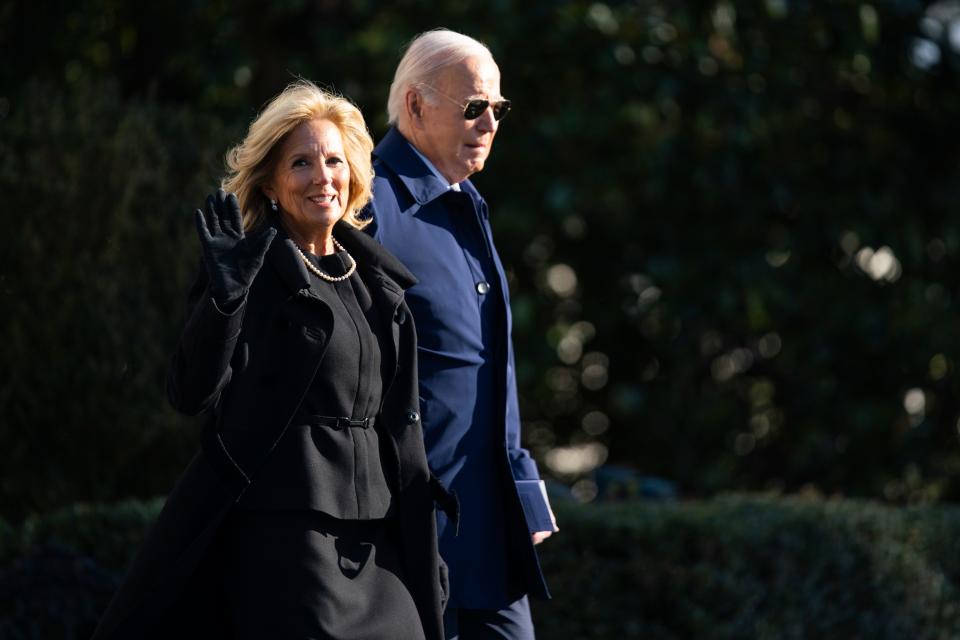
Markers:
point(753, 567)
point(59, 570)
point(732, 567)
point(716, 176)
point(92, 284)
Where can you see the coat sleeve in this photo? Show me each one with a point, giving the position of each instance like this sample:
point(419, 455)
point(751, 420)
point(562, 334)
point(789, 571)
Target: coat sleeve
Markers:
point(521, 463)
point(200, 366)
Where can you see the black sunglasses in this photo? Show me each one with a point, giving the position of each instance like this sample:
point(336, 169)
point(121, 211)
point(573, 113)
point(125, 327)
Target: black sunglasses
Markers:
point(473, 109)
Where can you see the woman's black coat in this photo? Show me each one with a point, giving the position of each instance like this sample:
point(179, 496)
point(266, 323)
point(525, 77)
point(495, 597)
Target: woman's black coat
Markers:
point(250, 371)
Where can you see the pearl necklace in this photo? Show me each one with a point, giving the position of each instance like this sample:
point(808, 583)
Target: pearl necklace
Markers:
point(326, 276)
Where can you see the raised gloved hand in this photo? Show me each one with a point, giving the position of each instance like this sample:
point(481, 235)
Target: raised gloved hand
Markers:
point(232, 258)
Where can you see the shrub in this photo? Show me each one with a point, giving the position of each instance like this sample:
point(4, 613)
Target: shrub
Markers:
point(58, 571)
point(749, 567)
point(729, 568)
point(98, 193)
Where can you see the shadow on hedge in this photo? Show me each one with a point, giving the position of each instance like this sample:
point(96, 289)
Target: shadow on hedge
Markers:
point(731, 567)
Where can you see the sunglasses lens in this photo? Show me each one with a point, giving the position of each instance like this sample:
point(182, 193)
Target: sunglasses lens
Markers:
point(475, 109)
point(501, 109)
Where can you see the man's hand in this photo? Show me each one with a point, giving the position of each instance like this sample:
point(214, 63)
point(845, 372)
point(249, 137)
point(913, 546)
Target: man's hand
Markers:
point(540, 536)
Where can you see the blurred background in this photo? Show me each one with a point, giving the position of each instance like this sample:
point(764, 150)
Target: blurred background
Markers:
point(732, 231)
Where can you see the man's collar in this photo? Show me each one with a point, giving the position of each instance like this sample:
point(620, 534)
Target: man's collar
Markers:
point(453, 186)
point(424, 183)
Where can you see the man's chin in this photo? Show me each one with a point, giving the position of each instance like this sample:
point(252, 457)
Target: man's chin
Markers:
point(475, 166)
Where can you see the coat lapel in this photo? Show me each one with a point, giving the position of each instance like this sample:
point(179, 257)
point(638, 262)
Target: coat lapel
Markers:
point(385, 276)
point(387, 279)
point(370, 255)
point(284, 256)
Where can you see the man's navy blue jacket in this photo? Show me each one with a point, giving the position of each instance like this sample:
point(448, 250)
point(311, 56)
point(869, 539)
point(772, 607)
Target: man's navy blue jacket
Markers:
point(468, 391)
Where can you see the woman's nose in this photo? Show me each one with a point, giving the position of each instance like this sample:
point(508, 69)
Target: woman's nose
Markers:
point(322, 174)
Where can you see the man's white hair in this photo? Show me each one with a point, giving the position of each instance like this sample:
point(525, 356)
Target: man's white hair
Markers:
point(427, 55)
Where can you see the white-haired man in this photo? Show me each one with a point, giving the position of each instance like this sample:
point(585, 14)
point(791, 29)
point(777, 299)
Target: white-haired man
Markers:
point(445, 107)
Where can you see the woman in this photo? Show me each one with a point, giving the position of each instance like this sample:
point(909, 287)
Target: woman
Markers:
point(308, 512)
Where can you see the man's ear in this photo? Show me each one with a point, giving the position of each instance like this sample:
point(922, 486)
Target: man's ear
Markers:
point(413, 102)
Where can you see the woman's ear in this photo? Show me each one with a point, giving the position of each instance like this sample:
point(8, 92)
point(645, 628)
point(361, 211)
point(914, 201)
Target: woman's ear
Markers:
point(269, 192)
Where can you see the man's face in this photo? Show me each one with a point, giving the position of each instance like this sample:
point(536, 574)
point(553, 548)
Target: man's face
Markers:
point(456, 146)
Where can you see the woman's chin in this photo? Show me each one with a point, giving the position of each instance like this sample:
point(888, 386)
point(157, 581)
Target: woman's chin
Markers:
point(324, 217)
point(309, 226)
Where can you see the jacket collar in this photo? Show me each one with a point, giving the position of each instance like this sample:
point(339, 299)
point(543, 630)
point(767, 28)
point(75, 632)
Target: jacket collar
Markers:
point(370, 256)
point(285, 258)
point(397, 153)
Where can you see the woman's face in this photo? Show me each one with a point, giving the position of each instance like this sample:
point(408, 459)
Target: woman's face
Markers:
point(311, 180)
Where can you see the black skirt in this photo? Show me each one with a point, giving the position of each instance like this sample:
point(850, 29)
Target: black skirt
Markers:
point(303, 574)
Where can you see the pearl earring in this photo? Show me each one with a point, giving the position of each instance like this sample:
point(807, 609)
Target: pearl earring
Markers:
point(273, 204)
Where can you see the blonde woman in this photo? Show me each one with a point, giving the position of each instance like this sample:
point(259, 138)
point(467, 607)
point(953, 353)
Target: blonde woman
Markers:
point(309, 511)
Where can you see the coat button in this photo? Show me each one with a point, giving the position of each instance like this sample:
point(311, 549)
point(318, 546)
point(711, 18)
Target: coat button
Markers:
point(483, 287)
point(412, 417)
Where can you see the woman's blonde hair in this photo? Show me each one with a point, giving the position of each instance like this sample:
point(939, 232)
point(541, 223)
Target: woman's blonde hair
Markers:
point(251, 163)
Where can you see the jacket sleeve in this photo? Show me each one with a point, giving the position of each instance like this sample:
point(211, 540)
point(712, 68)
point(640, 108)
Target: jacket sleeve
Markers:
point(523, 466)
point(200, 366)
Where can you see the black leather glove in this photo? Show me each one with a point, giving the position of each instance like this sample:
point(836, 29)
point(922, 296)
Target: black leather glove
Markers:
point(232, 259)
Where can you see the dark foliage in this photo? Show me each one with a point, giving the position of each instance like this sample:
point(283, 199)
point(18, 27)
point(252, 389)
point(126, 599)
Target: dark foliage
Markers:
point(729, 568)
point(58, 571)
point(731, 229)
point(753, 567)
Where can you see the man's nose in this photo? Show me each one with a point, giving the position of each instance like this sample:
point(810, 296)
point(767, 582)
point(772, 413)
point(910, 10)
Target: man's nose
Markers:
point(486, 121)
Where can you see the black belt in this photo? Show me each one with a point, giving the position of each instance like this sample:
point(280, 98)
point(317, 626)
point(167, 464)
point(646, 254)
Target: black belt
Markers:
point(335, 422)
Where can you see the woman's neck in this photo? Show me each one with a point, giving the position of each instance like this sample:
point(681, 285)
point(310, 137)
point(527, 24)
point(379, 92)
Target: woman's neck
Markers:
point(319, 242)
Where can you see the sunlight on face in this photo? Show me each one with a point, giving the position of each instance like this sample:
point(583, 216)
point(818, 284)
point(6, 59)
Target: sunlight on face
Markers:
point(311, 181)
point(456, 146)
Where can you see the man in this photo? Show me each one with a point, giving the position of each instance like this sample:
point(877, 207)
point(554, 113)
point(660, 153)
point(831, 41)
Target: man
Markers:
point(445, 107)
